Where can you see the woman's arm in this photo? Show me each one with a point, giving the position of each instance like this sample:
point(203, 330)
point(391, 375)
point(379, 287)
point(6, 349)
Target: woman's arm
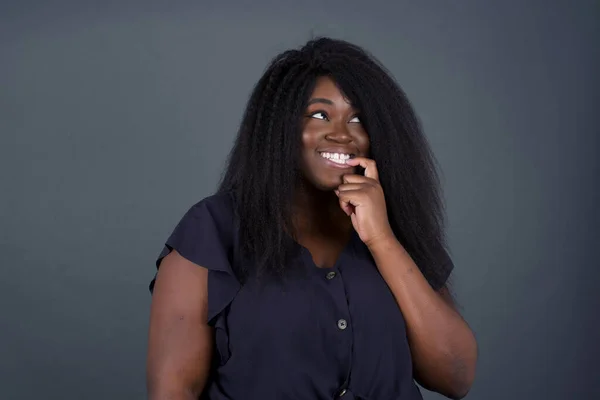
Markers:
point(443, 347)
point(180, 340)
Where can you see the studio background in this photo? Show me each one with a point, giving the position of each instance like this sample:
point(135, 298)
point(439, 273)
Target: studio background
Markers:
point(116, 117)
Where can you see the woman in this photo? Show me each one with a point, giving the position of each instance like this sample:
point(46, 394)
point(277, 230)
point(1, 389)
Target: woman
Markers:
point(313, 272)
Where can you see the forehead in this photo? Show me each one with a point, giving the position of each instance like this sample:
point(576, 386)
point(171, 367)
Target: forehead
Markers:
point(326, 87)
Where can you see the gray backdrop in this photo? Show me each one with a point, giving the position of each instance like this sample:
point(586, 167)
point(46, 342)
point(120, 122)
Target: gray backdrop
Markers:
point(107, 107)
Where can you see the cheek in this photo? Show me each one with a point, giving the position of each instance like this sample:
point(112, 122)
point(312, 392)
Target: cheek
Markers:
point(308, 140)
point(364, 144)
point(306, 148)
point(360, 137)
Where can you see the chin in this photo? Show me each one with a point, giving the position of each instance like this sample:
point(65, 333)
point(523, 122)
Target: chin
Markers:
point(329, 188)
point(324, 180)
point(326, 186)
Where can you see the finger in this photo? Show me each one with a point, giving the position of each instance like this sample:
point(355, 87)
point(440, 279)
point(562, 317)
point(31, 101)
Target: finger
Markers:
point(345, 204)
point(353, 197)
point(347, 208)
point(367, 164)
point(351, 186)
point(353, 178)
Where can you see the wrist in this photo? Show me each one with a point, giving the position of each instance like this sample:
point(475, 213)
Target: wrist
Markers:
point(382, 243)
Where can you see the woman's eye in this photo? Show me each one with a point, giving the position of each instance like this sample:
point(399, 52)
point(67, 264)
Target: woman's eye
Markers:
point(355, 119)
point(319, 115)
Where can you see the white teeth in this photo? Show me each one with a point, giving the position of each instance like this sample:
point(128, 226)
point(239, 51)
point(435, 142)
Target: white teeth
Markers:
point(339, 158)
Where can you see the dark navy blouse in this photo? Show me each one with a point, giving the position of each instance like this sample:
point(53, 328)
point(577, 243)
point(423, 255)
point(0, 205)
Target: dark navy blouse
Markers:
point(329, 333)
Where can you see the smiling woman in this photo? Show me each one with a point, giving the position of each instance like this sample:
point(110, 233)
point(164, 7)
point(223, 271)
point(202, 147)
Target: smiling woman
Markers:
point(318, 270)
point(332, 133)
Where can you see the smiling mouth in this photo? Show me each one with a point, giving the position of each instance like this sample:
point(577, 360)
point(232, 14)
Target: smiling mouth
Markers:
point(338, 158)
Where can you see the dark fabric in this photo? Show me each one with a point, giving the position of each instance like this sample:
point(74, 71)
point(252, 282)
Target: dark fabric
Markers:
point(310, 337)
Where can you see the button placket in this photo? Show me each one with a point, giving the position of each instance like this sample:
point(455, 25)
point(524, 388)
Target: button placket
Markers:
point(336, 285)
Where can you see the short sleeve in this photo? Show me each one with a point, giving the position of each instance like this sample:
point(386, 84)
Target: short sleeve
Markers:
point(442, 272)
point(205, 236)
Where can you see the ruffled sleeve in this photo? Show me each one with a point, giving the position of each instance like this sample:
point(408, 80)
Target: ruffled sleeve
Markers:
point(205, 236)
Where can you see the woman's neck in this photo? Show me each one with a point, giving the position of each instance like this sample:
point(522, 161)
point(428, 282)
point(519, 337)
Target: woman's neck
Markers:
point(317, 212)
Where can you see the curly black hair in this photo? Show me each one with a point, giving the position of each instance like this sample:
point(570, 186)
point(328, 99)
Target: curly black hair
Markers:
point(262, 169)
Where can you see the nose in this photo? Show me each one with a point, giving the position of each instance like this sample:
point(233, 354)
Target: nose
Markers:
point(339, 134)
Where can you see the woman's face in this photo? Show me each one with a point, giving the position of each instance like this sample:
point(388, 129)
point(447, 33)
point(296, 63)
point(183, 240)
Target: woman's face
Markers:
point(332, 132)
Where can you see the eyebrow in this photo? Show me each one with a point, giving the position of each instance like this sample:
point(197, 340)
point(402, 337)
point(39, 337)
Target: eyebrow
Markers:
point(320, 100)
